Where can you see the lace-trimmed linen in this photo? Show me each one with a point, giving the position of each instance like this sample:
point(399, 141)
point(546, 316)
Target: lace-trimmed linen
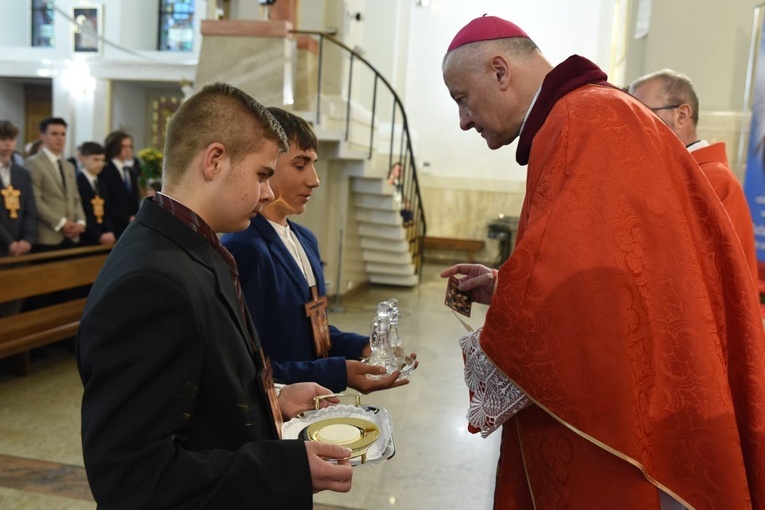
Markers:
point(493, 398)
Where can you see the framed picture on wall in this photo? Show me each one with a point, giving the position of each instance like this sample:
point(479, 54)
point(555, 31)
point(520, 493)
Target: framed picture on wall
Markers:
point(88, 26)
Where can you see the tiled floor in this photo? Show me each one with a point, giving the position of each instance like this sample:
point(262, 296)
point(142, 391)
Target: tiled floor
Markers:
point(438, 464)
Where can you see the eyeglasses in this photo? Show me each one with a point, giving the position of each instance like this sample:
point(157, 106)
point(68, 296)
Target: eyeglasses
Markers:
point(668, 107)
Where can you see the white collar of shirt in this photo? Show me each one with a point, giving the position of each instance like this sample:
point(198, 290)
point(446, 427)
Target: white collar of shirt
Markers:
point(5, 174)
point(533, 101)
point(91, 178)
point(282, 230)
point(698, 145)
point(122, 164)
point(291, 242)
point(52, 157)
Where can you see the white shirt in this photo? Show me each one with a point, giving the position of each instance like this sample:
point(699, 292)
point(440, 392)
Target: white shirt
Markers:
point(54, 159)
point(293, 246)
point(697, 145)
point(121, 165)
point(92, 179)
point(5, 175)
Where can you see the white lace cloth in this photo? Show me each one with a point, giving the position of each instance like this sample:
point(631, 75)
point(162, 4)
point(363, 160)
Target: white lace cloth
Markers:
point(494, 398)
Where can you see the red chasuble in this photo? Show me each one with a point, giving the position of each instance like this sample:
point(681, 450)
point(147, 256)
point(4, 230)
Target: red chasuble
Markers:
point(714, 163)
point(628, 315)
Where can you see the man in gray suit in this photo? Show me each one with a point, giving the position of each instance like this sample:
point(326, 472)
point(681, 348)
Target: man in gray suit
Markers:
point(61, 219)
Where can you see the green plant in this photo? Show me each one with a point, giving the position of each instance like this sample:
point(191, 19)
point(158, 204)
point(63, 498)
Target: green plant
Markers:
point(151, 165)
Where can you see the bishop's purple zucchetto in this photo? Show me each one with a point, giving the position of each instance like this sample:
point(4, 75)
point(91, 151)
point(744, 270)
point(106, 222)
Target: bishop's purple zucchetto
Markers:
point(485, 28)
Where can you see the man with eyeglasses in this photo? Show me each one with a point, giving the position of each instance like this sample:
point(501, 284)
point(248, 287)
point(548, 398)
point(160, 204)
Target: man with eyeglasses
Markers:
point(670, 95)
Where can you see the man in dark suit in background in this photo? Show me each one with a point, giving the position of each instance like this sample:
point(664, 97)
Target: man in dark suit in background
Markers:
point(95, 197)
point(18, 215)
point(61, 219)
point(178, 408)
point(120, 177)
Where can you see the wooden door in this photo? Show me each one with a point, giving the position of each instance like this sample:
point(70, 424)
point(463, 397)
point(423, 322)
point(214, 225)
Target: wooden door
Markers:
point(38, 105)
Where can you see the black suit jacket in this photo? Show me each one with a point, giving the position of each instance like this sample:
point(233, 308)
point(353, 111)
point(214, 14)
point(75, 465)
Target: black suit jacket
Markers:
point(122, 205)
point(173, 415)
point(93, 229)
point(25, 226)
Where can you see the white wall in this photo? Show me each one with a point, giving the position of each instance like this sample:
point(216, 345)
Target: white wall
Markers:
point(559, 28)
point(19, 32)
point(129, 110)
point(141, 32)
point(711, 46)
point(129, 53)
point(12, 105)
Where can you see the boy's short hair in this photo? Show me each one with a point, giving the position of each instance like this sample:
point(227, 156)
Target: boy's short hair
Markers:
point(8, 130)
point(51, 120)
point(297, 129)
point(92, 149)
point(221, 113)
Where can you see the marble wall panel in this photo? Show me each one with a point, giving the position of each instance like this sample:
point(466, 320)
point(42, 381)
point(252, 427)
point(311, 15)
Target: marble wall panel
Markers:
point(465, 214)
point(256, 65)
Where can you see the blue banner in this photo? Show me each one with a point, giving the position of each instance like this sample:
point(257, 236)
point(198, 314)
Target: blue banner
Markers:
point(754, 182)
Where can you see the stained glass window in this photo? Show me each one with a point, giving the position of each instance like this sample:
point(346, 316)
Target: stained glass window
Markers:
point(176, 25)
point(42, 24)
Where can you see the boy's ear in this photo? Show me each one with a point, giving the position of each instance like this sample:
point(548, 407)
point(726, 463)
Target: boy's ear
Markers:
point(212, 160)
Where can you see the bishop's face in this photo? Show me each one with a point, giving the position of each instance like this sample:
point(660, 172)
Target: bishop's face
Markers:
point(482, 101)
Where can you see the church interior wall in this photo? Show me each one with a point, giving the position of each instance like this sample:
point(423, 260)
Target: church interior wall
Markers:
point(12, 103)
point(129, 110)
point(706, 39)
point(709, 41)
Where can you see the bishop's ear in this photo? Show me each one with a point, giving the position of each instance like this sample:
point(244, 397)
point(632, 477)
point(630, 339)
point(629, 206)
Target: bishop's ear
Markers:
point(501, 70)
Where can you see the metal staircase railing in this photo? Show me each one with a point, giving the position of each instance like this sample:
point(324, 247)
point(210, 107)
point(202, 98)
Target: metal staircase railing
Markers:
point(412, 211)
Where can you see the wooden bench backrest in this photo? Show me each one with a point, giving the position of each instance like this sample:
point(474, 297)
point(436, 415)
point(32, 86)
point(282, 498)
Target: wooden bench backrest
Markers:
point(42, 273)
point(33, 280)
point(453, 243)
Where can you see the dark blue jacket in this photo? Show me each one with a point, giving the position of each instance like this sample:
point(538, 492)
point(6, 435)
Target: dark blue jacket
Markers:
point(25, 226)
point(276, 291)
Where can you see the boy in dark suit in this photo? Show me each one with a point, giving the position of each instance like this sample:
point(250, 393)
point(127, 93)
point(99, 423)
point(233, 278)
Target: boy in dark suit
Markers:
point(99, 228)
point(179, 409)
point(120, 178)
point(18, 214)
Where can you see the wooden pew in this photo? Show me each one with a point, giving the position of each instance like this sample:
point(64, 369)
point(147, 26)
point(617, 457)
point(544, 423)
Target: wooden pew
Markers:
point(42, 273)
point(469, 246)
